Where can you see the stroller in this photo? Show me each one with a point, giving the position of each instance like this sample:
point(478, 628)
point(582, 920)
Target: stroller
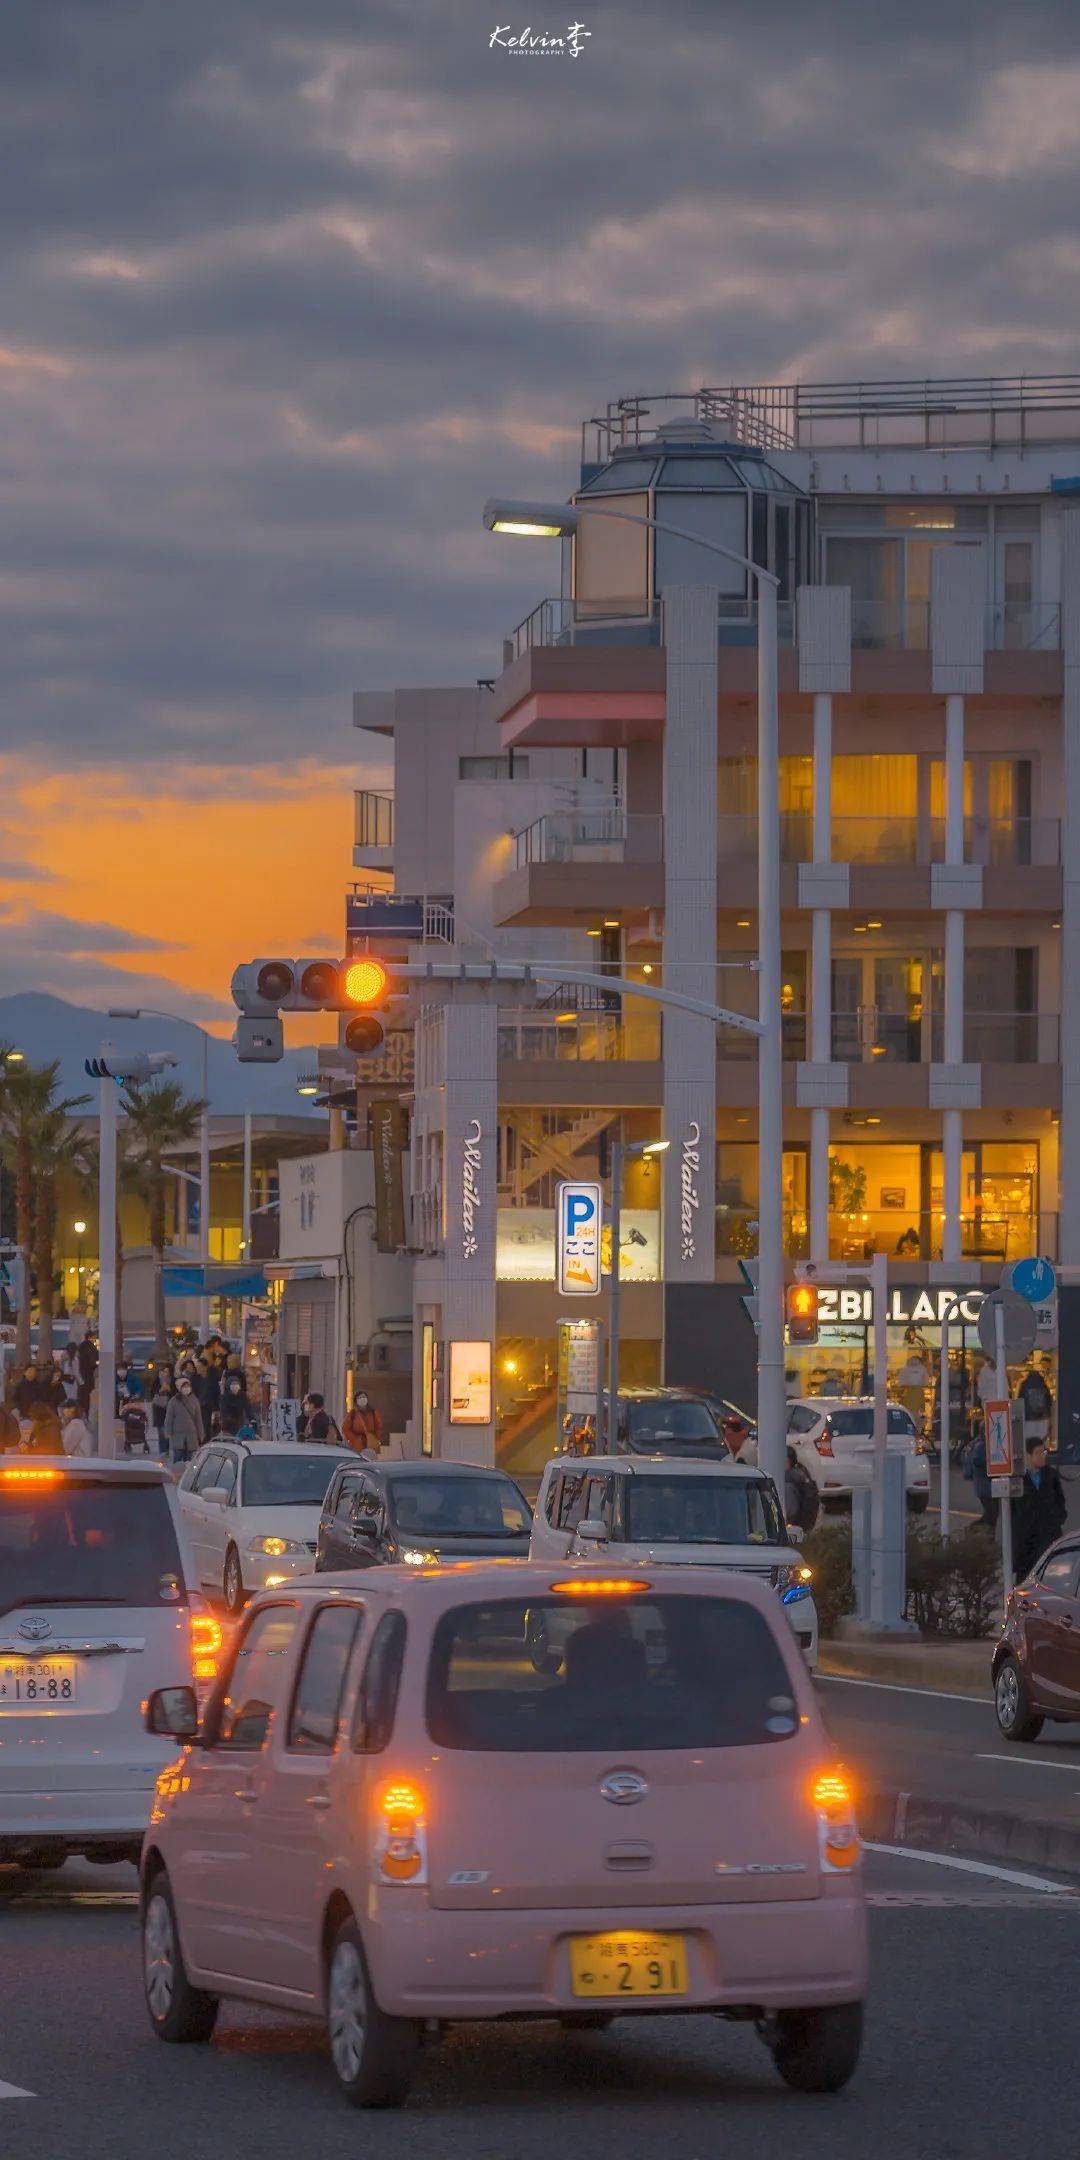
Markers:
point(135, 1419)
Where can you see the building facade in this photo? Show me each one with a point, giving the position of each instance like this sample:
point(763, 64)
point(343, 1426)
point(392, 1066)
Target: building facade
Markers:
point(597, 806)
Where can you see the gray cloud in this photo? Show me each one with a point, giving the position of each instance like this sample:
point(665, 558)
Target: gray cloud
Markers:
point(290, 289)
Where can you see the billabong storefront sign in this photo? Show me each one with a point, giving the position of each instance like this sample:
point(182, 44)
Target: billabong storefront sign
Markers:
point(853, 1306)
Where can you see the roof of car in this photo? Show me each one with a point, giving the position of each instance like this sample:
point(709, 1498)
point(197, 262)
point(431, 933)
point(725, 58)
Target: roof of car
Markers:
point(439, 1465)
point(449, 1581)
point(660, 1394)
point(658, 1465)
point(282, 1447)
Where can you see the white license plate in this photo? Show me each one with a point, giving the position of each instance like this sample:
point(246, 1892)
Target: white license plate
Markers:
point(37, 1683)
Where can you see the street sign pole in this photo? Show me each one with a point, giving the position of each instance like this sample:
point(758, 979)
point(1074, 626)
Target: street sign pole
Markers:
point(613, 1308)
point(879, 1281)
point(1005, 1505)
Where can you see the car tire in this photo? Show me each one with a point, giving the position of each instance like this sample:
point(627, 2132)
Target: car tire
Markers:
point(232, 1585)
point(918, 1502)
point(1012, 1704)
point(178, 2012)
point(817, 2051)
point(374, 2055)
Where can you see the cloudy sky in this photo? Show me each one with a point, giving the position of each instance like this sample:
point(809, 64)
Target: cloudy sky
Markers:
point(289, 286)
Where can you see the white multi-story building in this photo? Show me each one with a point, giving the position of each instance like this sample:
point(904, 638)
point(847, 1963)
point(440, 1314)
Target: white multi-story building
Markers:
point(596, 806)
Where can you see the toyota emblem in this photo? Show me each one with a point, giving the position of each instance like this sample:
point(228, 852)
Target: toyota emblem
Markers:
point(623, 1787)
point(35, 1629)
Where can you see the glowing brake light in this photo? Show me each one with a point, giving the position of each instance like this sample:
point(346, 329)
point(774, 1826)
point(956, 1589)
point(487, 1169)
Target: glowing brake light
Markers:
point(31, 1477)
point(591, 1586)
point(823, 1440)
point(401, 1834)
point(207, 1637)
point(838, 1831)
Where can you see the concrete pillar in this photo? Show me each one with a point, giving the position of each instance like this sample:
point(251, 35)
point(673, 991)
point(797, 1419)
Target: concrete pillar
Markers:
point(824, 641)
point(471, 1102)
point(957, 638)
point(821, 979)
point(1069, 1233)
point(690, 781)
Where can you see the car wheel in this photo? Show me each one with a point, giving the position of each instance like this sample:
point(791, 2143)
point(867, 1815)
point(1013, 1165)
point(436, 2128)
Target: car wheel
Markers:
point(177, 2011)
point(233, 1585)
point(1016, 1718)
point(817, 2050)
point(373, 2055)
point(918, 1502)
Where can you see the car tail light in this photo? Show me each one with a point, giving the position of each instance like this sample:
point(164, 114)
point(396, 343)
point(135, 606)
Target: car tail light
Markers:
point(587, 1586)
point(401, 1834)
point(23, 1476)
point(838, 1831)
point(207, 1639)
point(823, 1440)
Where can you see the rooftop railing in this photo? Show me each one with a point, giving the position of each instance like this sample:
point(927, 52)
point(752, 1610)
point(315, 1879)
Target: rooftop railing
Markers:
point(876, 625)
point(991, 412)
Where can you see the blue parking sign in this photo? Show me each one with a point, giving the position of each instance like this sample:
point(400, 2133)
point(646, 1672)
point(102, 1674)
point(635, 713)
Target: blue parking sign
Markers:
point(1034, 1279)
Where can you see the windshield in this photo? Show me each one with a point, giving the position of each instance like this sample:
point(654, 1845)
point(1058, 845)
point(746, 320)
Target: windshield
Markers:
point(71, 1543)
point(660, 1421)
point(477, 1507)
point(702, 1511)
point(850, 1424)
point(288, 1479)
point(620, 1677)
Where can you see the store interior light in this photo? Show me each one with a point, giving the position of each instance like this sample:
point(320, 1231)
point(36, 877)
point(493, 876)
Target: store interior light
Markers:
point(742, 922)
point(646, 967)
point(656, 1147)
point(611, 922)
point(594, 933)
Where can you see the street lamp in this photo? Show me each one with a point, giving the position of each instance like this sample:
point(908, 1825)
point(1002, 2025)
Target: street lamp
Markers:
point(620, 1154)
point(151, 1012)
point(556, 521)
point(80, 1232)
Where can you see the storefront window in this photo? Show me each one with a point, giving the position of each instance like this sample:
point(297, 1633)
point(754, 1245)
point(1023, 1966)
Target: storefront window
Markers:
point(737, 1200)
point(527, 1396)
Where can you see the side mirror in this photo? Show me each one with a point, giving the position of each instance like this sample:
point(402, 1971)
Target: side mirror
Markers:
point(173, 1713)
point(592, 1531)
point(219, 1494)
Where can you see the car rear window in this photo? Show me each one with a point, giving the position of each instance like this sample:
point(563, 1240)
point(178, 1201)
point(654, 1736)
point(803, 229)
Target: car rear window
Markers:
point(851, 1424)
point(681, 1510)
point(84, 1542)
point(480, 1507)
point(287, 1479)
point(614, 1674)
point(663, 1421)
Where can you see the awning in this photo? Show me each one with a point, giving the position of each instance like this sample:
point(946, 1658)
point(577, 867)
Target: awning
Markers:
point(217, 1279)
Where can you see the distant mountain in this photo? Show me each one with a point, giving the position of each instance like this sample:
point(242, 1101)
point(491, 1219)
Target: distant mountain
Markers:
point(48, 1027)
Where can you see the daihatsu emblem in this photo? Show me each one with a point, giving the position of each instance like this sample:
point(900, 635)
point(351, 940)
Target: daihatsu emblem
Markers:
point(35, 1630)
point(623, 1787)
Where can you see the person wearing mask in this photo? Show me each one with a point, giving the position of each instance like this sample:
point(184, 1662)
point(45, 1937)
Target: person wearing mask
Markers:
point(233, 1406)
point(183, 1425)
point(75, 1433)
point(318, 1423)
point(802, 1501)
point(127, 1383)
point(1039, 1513)
point(363, 1427)
point(164, 1391)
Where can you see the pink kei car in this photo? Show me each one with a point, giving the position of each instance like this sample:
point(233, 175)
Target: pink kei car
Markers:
point(390, 1820)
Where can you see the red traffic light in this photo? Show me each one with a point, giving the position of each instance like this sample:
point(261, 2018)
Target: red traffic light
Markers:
point(802, 1313)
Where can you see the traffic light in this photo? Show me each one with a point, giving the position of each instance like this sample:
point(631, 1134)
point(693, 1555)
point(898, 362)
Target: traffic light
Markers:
point(802, 1312)
point(264, 989)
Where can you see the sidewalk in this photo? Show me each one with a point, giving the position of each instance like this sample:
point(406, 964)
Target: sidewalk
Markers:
point(950, 1668)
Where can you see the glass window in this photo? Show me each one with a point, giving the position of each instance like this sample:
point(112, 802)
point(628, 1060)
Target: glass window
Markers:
point(1059, 1573)
point(479, 1507)
point(87, 1542)
point(633, 1674)
point(624, 473)
point(874, 571)
point(346, 1499)
point(376, 1703)
point(611, 563)
point(513, 767)
point(801, 1420)
point(551, 1504)
point(682, 1510)
point(599, 1502)
point(206, 1472)
point(313, 1720)
point(572, 1503)
point(288, 1478)
point(254, 1684)
point(700, 472)
point(716, 517)
point(226, 1476)
point(664, 1419)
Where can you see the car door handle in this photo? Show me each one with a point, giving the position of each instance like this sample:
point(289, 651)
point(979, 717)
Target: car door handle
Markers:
point(318, 1800)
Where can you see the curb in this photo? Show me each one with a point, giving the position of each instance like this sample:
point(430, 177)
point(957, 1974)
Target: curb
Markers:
point(915, 1667)
point(901, 1818)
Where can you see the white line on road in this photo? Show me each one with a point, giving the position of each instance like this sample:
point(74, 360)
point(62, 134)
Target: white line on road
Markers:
point(899, 1687)
point(1032, 1762)
point(976, 1867)
point(14, 2092)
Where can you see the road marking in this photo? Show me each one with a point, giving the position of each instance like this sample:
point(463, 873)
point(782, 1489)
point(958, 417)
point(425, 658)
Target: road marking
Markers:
point(976, 1867)
point(972, 1901)
point(1032, 1762)
point(14, 2092)
point(898, 1687)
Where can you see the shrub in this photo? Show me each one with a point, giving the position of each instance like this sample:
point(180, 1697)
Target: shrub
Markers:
point(953, 1586)
point(827, 1549)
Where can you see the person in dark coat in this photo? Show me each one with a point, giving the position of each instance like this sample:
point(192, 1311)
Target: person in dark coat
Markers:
point(1039, 1513)
point(975, 1469)
point(802, 1500)
point(234, 1408)
point(29, 1390)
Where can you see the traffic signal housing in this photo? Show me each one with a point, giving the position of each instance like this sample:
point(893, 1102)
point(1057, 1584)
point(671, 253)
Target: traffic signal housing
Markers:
point(802, 1312)
point(264, 989)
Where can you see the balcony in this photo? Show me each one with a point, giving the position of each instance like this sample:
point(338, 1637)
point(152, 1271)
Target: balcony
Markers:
point(606, 833)
point(872, 1035)
point(372, 912)
point(373, 830)
point(876, 625)
point(906, 842)
point(582, 1037)
point(987, 1235)
point(904, 626)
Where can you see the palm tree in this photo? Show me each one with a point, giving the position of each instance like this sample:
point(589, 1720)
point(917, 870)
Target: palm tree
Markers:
point(160, 1118)
point(61, 1149)
point(28, 1108)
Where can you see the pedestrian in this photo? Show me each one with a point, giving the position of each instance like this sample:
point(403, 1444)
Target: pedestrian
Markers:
point(318, 1423)
point(1038, 1403)
point(127, 1383)
point(363, 1427)
point(75, 1433)
point(10, 1430)
point(28, 1391)
point(207, 1386)
point(43, 1437)
point(164, 1390)
point(976, 1471)
point(802, 1501)
point(736, 1432)
point(233, 1405)
point(135, 1423)
point(1038, 1516)
point(183, 1427)
point(86, 1359)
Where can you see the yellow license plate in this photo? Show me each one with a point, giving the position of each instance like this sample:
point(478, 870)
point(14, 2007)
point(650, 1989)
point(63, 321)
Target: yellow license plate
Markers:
point(37, 1683)
point(628, 1963)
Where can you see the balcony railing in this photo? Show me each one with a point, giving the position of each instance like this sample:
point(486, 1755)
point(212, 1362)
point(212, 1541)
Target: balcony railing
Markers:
point(373, 819)
point(606, 833)
point(987, 1234)
point(990, 412)
point(900, 840)
point(876, 625)
point(872, 1035)
point(580, 1037)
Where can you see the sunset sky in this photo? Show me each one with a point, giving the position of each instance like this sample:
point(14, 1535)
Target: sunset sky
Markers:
point(289, 289)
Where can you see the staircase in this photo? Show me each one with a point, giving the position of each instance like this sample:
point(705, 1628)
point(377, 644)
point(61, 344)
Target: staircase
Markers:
point(542, 1154)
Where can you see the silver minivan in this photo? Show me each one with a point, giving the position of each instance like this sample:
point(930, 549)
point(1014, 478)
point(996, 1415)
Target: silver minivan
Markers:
point(97, 1609)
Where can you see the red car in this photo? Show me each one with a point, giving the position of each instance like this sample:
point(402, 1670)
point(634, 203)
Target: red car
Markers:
point(1036, 1665)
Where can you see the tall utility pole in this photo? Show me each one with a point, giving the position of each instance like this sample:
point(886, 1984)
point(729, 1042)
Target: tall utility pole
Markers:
point(152, 1012)
point(106, 1372)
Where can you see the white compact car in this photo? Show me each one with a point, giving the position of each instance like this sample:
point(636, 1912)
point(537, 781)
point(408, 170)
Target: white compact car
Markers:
point(251, 1509)
point(654, 1510)
point(97, 1609)
point(833, 1437)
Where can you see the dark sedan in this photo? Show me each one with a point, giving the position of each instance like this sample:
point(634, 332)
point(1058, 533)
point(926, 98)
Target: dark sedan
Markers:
point(375, 1515)
point(1036, 1664)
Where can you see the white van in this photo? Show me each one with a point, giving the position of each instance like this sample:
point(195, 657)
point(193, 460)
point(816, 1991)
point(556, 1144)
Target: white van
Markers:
point(658, 1509)
point(98, 1607)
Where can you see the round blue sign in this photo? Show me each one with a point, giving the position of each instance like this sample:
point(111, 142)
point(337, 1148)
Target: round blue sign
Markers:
point(1034, 1279)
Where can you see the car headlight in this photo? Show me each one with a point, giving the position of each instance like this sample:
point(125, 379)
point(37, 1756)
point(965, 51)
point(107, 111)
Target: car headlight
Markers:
point(794, 1583)
point(414, 1557)
point(275, 1547)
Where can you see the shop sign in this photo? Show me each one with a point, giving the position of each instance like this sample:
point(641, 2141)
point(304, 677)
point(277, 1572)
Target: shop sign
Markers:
point(689, 1197)
point(388, 1127)
point(470, 1383)
point(471, 1193)
point(578, 1221)
point(853, 1306)
point(579, 1362)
